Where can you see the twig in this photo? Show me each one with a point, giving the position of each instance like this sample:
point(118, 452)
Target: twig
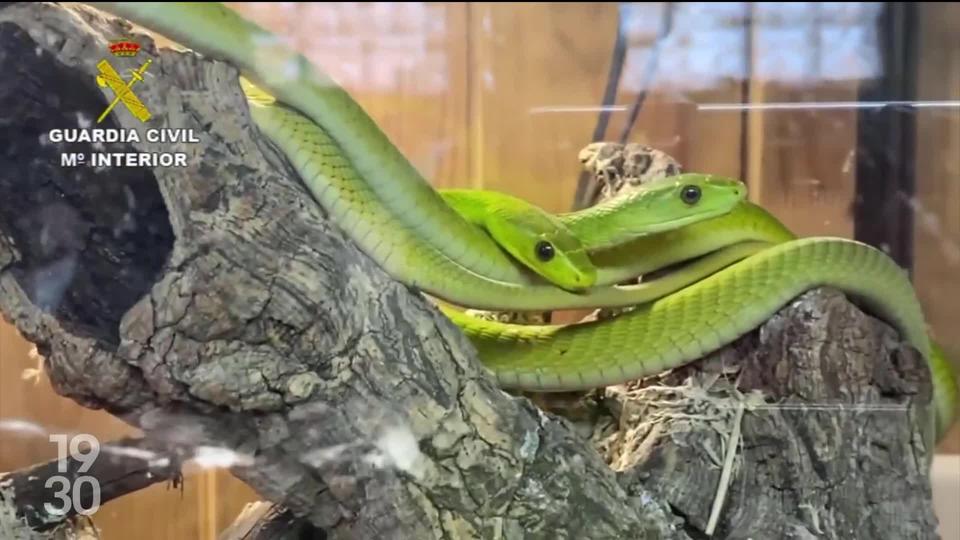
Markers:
point(725, 474)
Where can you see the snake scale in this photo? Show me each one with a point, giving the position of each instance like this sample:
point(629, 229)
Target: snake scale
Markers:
point(747, 264)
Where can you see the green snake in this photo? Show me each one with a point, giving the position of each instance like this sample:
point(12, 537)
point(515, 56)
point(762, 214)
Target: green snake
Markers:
point(453, 246)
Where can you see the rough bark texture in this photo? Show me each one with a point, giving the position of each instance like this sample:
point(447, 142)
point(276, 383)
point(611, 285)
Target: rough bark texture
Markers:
point(216, 306)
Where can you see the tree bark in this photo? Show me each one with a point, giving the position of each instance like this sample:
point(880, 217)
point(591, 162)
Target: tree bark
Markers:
point(216, 306)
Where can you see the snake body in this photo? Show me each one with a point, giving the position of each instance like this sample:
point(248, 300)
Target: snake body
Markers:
point(407, 257)
point(571, 239)
point(749, 265)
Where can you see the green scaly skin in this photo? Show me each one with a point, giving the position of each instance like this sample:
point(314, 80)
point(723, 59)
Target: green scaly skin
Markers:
point(524, 230)
point(407, 257)
point(642, 254)
point(608, 229)
point(579, 357)
point(690, 322)
point(443, 254)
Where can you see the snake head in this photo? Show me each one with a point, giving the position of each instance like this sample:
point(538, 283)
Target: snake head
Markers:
point(663, 205)
point(545, 246)
point(683, 199)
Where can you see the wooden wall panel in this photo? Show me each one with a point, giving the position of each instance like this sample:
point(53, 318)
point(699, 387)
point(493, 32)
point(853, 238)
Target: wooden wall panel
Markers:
point(406, 64)
point(702, 140)
point(537, 81)
point(801, 156)
point(937, 201)
point(529, 62)
point(801, 163)
point(689, 107)
point(714, 139)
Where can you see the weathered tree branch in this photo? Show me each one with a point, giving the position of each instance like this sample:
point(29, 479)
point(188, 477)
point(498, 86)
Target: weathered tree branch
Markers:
point(215, 305)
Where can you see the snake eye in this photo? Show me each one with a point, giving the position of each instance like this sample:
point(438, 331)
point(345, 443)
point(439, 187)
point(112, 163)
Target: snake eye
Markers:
point(690, 194)
point(544, 250)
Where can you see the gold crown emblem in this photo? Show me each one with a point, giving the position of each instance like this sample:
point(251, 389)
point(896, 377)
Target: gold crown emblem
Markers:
point(124, 47)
